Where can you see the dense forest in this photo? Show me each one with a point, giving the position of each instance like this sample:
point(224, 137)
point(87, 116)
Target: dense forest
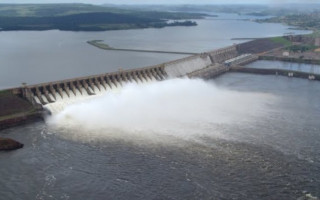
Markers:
point(82, 17)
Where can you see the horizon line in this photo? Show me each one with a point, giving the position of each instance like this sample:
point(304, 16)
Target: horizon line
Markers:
point(167, 4)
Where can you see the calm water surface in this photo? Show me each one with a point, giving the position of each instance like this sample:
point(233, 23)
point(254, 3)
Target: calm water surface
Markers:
point(273, 157)
point(42, 56)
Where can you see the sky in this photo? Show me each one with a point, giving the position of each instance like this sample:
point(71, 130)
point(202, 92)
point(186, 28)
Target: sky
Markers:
point(163, 1)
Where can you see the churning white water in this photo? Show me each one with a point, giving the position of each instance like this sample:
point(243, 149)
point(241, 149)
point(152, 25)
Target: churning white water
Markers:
point(179, 108)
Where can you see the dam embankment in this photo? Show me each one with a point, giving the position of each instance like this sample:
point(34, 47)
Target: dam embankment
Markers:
point(15, 110)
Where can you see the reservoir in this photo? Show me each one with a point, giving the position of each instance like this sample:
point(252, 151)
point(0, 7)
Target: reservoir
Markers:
point(41, 56)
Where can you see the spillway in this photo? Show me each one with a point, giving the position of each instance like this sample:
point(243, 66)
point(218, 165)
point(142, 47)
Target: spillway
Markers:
point(56, 95)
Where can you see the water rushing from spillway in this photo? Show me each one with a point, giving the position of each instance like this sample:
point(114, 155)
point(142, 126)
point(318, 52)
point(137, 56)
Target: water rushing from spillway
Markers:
point(157, 111)
point(259, 140)
point(82, 95)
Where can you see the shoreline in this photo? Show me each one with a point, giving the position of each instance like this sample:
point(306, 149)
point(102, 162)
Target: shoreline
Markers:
point(19, 120)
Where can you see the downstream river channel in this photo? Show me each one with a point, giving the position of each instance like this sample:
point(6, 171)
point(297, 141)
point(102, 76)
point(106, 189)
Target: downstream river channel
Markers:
point(263, 144)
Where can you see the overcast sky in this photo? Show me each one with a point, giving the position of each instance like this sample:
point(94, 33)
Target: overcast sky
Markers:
point(163, 1)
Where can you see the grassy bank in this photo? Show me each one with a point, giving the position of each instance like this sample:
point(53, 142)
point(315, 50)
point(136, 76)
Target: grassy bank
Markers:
point(281, 40)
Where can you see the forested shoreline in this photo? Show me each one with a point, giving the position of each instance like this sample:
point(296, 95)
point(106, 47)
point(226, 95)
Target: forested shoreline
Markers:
point(79, 17)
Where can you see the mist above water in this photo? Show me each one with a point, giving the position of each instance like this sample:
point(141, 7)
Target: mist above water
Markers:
point(158, 111)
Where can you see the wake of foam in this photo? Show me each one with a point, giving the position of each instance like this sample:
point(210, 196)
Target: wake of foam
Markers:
point(180, 108)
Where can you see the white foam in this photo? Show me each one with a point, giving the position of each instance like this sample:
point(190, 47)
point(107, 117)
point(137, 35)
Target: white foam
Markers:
point(179, 108)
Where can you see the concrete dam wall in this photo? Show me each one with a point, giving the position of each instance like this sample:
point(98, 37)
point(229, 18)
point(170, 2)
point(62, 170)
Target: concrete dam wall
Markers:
point(47, 93)
point(179, 68)
point(72, 90)
point(223, 54)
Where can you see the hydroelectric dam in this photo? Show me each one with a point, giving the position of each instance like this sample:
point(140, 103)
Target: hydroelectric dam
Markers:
point(203, 65)
point(30, 100)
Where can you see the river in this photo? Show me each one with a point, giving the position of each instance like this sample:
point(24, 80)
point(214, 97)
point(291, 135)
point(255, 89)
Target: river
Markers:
point(263, 144)
point(239, 136)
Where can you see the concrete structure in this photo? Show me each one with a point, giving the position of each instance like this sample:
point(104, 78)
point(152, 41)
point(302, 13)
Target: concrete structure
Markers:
point(209, 72)
point(241, 60)
point(184, 66)
point(279, 72)
point(46, 93)
point(205, 65)
point(286, 53)
point(220, 55)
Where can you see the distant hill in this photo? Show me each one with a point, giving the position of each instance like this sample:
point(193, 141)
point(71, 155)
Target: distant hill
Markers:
point(304, 21)
point(84, 17)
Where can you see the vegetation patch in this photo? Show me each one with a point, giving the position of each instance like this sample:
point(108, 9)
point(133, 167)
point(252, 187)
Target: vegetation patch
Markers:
point(281, 40)
point(301, 48)
point(4, 93)
point(315, 34)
